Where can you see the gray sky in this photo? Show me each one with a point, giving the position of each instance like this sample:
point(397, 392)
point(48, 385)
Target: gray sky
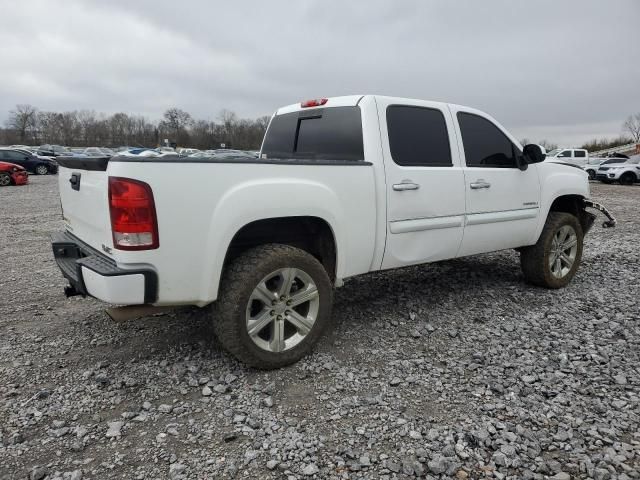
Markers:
point(562, 70)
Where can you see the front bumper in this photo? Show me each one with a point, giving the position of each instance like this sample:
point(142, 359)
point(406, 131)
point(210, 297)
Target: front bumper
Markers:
point(20, 178)
point(610, 223)
point(90, 272)
point(607, 177)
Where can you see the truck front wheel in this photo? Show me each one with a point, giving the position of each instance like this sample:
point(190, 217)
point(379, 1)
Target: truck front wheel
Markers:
point(553, 260)
point(274, 305)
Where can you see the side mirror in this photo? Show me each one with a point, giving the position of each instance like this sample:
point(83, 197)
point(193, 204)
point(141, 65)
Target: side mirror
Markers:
point(534, 153)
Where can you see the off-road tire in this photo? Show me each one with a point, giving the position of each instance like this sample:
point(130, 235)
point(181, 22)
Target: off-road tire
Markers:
point(627, 178)
point(534, 260)
point(238, 282)
point(5, 179)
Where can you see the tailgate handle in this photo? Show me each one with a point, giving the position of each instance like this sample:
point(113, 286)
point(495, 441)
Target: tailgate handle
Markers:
point(75, 181)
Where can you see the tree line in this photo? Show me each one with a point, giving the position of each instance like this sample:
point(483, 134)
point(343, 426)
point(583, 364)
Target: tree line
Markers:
point(631, 134)
point(28, 125)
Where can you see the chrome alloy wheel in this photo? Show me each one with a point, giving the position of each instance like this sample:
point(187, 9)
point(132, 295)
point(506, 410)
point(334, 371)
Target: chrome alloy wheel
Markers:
point(282, 309)
point(564, 248)
point(42, 170)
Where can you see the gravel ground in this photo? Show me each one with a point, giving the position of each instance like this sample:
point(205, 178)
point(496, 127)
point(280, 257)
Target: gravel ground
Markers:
point(456, 369)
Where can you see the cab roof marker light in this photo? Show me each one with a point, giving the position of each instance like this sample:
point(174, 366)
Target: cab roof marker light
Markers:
point(316, 102)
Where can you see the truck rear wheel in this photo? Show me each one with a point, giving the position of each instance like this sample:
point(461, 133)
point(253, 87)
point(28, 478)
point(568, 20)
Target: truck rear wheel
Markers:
point(553, 261)
point(274, 305)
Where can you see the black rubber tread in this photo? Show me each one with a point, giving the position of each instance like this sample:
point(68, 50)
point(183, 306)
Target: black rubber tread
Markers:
point(5, 174)
point(628, 178)
point(534, 260)
point(237, 284)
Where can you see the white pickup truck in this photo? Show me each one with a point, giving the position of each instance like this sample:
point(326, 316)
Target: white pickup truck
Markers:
point(343, 186)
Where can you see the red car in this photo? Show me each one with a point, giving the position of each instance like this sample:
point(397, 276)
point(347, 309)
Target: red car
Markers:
point(12, 174)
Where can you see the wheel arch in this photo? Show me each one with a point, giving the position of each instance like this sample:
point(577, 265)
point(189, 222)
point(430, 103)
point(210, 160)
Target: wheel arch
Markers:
point(572, 203)
point(309, 233)
point(629, 174)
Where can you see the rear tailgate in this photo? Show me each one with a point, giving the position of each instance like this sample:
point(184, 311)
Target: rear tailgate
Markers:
point(83, 184)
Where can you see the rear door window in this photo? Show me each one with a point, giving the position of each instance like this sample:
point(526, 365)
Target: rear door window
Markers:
point(319, 134)
point(418, 136)
point(579, 153)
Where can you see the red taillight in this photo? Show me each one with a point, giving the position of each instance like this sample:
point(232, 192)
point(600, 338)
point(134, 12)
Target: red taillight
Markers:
point(316, 102)
point(133, 215)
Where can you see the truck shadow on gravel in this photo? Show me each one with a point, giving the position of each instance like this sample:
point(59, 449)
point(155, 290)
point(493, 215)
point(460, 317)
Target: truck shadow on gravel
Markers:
point(428, 285)
point(420, 287)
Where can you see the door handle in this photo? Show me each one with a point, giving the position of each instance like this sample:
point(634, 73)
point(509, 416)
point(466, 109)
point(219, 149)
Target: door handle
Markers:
point(405, 185)
point(479, 184)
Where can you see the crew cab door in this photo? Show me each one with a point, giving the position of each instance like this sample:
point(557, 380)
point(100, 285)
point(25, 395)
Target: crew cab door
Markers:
point(424, 182)
point(502, 201)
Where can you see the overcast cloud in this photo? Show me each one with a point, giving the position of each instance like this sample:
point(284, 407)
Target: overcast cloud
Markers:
point(566, 71)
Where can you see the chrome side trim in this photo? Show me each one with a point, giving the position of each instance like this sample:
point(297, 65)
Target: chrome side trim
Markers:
point(504, 216)
point(420, 224)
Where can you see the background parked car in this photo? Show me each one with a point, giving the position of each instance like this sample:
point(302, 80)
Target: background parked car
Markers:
point(32, 163)
point(594, 163)
point(574, 156)
point(98, 152)
point(53, 150)
point(12, 174)
point(627, 172)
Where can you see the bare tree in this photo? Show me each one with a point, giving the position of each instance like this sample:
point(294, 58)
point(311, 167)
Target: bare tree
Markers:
point(548, 146)
point(632, 125)
point(175, 123)
point(23, 120)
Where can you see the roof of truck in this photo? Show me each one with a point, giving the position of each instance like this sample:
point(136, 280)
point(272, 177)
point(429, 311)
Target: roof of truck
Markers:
point(353, 100)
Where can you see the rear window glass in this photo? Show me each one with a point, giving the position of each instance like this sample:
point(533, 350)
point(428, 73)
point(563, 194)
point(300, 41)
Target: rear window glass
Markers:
point(319, 134)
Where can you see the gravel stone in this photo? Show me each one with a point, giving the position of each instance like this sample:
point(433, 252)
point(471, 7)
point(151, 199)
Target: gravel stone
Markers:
point(114, 429)
point(310, 469)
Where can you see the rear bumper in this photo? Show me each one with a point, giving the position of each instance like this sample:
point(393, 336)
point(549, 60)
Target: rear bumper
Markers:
point(90, 272)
